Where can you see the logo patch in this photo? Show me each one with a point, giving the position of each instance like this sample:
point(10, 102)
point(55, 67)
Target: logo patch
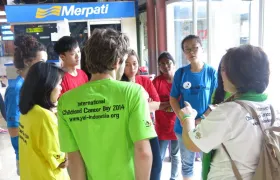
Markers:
point(198, 135)
point(42, 13)
point(148, 123)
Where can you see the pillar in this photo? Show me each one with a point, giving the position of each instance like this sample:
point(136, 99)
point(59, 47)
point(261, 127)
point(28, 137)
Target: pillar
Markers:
point(151, 36)
point(161, 25)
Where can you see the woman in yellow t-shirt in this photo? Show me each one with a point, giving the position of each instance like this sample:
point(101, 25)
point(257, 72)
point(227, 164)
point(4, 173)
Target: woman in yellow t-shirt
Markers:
point(39, 150)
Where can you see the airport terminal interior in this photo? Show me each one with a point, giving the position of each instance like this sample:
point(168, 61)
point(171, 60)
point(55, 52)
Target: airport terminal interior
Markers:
point(153, 27)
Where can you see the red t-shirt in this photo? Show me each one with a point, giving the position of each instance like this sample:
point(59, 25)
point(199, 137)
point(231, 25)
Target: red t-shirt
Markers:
point(147, 84)
point(164, 120)
point(70, 82)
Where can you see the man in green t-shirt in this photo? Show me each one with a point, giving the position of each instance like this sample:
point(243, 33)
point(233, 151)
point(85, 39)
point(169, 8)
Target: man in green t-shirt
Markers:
point(105, 125)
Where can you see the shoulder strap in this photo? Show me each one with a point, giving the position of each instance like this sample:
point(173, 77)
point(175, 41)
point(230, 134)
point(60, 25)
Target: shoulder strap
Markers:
point(273, 117)
point(234, 168)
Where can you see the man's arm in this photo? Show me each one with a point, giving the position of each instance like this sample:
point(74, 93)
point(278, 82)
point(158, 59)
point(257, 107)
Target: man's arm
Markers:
point(143, 159)
point(76, 166)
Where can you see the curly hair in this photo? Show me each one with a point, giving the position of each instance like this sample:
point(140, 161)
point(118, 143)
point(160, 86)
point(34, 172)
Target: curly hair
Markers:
point(104, 48)
point(26, 50)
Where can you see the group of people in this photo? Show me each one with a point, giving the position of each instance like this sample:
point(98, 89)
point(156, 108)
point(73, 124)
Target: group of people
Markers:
point(97, 123)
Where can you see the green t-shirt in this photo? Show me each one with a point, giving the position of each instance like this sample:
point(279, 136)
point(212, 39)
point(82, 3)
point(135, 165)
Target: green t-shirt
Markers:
point(103, 120)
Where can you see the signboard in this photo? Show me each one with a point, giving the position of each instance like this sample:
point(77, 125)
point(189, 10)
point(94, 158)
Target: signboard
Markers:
point(35, 30)
point(78, 11)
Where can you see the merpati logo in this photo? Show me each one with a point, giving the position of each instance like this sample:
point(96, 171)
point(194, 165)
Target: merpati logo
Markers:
point(71, 11)
point(42, 13)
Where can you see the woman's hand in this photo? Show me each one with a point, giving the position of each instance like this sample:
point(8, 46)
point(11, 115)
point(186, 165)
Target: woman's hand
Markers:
point(187, 112)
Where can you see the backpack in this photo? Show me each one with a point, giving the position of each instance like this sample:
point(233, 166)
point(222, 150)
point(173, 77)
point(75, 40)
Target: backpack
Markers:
point(268, 167)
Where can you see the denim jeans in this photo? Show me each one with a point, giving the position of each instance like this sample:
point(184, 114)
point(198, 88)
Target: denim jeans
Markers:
point(187, 158)
point(174, 156)
point(157, 163)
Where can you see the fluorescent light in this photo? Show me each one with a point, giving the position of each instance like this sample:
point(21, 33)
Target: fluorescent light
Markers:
point(3, 20)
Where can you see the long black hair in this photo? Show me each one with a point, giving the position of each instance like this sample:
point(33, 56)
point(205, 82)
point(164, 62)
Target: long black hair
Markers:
point(39, 83)
point(220, 93)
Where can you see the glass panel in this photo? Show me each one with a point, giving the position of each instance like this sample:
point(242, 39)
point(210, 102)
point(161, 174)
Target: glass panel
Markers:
point(271, 47)
point(42, 32)
point(143, 39)
point(202, 26)
point(179, 25)
point(230, 23)
point(79, 31)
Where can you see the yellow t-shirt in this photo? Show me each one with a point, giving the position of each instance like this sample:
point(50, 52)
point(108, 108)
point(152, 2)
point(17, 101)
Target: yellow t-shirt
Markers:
point(39, 149)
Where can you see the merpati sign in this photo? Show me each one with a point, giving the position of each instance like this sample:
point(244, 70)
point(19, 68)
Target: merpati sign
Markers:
point(77, 11)
point(71, 11)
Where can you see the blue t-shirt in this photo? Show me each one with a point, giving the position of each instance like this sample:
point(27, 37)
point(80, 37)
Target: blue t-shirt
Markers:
point(195, 88)
point(12, 102)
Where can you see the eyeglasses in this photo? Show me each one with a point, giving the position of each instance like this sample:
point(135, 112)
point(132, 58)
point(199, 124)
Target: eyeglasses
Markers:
point(195, 49)
point(169, 63)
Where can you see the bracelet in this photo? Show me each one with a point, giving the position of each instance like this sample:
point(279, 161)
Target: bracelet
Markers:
point(186, 116)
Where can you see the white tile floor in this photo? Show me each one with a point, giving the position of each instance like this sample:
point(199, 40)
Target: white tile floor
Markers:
point(8, 170)
point(7, 159)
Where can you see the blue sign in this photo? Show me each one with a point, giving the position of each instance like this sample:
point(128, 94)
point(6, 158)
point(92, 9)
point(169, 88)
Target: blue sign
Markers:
point(78, 11)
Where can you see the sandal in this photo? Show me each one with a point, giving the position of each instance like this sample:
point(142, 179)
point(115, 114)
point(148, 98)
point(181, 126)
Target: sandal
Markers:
point(3, 131)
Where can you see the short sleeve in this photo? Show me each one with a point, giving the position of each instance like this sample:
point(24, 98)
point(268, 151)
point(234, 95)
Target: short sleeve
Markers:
point(214, 84)
point(155, 83)
point(152, 91)
point(49, 142)
point(12, 106)
point(175, 90)
point(140, 123)
point(85, 77)
point(63, 86)
point(66, 137)
point(213, 130)
point(2, 107)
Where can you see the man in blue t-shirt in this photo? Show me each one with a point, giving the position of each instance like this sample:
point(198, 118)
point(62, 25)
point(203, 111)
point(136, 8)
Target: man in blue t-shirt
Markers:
point(195, 84)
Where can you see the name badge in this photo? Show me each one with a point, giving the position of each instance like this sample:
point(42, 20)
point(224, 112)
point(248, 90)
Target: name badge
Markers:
point(187, 85)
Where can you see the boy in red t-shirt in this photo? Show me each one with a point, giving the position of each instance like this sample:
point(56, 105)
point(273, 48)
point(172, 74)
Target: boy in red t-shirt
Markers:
point(69, 52)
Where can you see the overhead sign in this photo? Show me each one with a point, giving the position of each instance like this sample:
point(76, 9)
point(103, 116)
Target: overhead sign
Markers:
point(78, 11)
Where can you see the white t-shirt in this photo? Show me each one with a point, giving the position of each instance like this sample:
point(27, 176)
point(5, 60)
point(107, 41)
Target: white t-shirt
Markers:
point(232, 125)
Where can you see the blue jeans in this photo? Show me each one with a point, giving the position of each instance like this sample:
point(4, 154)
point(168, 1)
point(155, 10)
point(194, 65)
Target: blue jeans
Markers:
point(187, 158)
point(174, 156)
point(157, 164)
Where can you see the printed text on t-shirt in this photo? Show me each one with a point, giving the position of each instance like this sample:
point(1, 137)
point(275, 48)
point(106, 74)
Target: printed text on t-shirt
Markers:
point(94, 110)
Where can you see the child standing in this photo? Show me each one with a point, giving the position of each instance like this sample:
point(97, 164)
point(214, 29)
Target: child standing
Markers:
point(40, 155)
point(28, 51)
point(69, 52)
